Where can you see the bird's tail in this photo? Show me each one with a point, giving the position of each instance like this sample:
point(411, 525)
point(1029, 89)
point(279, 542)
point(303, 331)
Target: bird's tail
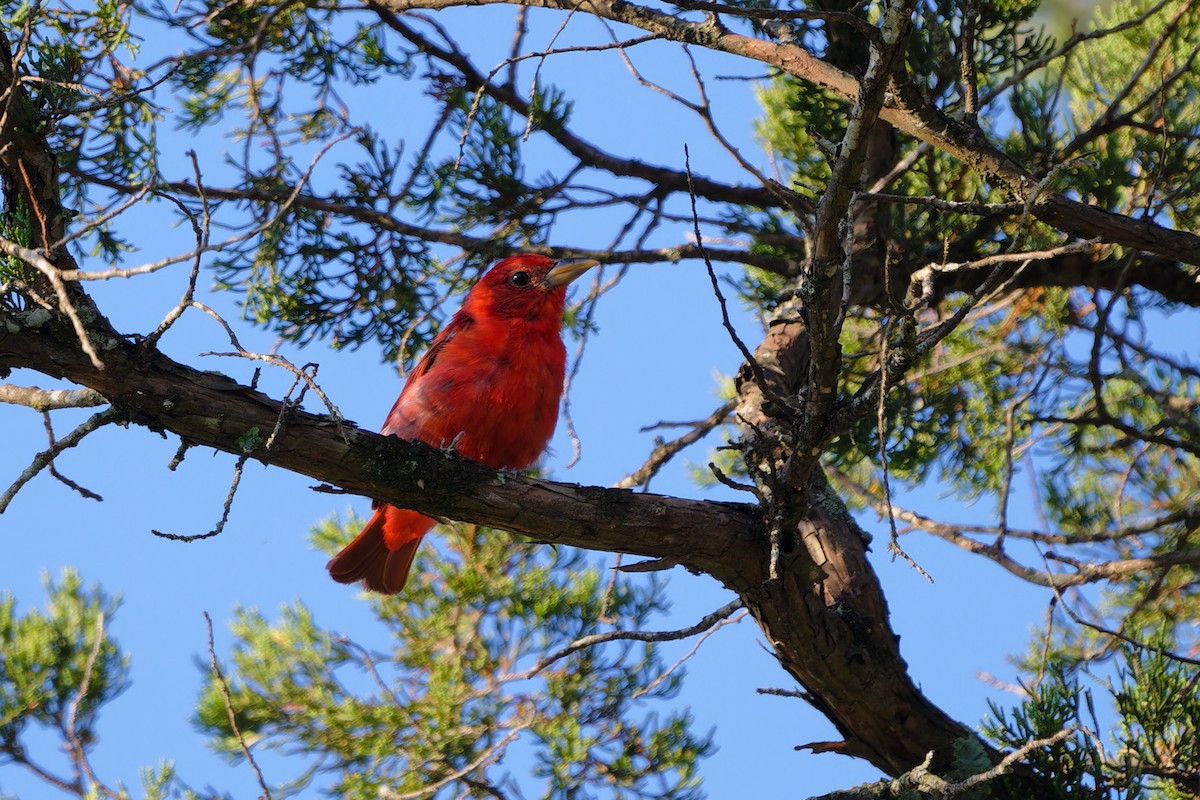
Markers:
point(382, 553)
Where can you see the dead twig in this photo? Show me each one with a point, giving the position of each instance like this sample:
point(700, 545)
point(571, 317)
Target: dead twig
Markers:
point(74, 741)
point(703, 625)
point(220, 526)
point(223, 685)
point(43, 459)
point(52, 273)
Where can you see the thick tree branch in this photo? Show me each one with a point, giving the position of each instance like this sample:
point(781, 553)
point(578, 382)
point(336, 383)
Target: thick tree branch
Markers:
point(208, 409)
point(826, 617)
point(826, 283)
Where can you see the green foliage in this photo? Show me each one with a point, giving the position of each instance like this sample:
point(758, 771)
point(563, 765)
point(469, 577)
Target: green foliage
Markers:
point(15, 227)
point(86, 102)
point(1141, 691)
point(996, 391)
point(1004, 36)
point(1156, 159)
point(344, 268)
point(1063, 384)
point(797, 116)
point(462, 679)
point(1159, 709)
point(57, 667)
point(1060, 715)
point(464, 675)
point(794, 117)
point(345, 232)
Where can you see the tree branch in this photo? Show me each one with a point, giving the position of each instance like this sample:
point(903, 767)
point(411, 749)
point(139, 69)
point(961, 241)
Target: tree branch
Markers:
point(826, 616)
point(907, 110)
point(49, 399)
point(382, 221)
point(149, 389)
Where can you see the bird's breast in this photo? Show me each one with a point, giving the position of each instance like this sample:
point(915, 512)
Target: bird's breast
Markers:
point(494, 400)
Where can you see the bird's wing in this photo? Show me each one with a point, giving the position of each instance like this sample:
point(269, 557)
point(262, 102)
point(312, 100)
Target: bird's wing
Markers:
point(405, 415)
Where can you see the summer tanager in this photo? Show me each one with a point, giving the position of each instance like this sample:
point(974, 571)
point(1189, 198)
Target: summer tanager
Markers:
point(489, 387)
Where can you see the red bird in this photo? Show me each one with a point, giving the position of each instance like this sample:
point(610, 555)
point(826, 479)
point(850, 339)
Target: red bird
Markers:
point(489, 386)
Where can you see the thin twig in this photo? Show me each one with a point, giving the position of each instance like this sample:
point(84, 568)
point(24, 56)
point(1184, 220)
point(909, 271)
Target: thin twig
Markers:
point(44, 458)
point(882, 432)
point(637, 636)
point(39, 262)
point(785, 693)
point(98, 221)
point(220, 526)
point(301, 372)
point(1008, 761)
point(54, 473)
point(755, 367)
point(489, 756)
point(225, 693)
point(74, 741)
point(641, 692)
point(285, 206)
point(1098, 628)
point(201, 231)
point(664, 451)
point(278, 361)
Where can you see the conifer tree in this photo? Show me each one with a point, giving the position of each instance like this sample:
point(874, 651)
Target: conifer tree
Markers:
point(965, 238)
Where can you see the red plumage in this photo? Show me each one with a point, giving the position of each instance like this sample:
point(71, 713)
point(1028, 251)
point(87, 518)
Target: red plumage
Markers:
point(489, 386)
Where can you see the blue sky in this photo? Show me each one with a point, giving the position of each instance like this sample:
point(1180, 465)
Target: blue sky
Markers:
point(650, 360)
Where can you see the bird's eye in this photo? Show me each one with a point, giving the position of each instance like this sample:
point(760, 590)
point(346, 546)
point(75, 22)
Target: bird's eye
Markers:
point(519, 278)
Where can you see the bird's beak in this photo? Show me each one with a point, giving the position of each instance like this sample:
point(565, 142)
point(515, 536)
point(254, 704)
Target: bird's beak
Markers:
point(568, 270)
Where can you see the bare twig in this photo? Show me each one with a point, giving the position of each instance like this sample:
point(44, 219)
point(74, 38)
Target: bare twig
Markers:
point(96, 222)
point(220, 526)
point(275, 360)
point(300, 372)
point(882, 432)
point(55, 276)
point(704, 624)
point(941, 204)
point(46, 457)
point(54, 473)
point(755, 367)
point(644, 690)
point(1118, 635)
point(487, 757)
point(1084, 573)
point(923, 781)
point(74, 741)
point(223, 685)
point(664, 451)
point(201, 231)
point(799, 695)
point(386, 222)
point(285, 205)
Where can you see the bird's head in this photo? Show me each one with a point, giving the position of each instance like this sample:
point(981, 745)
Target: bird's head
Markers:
point(528, 286)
